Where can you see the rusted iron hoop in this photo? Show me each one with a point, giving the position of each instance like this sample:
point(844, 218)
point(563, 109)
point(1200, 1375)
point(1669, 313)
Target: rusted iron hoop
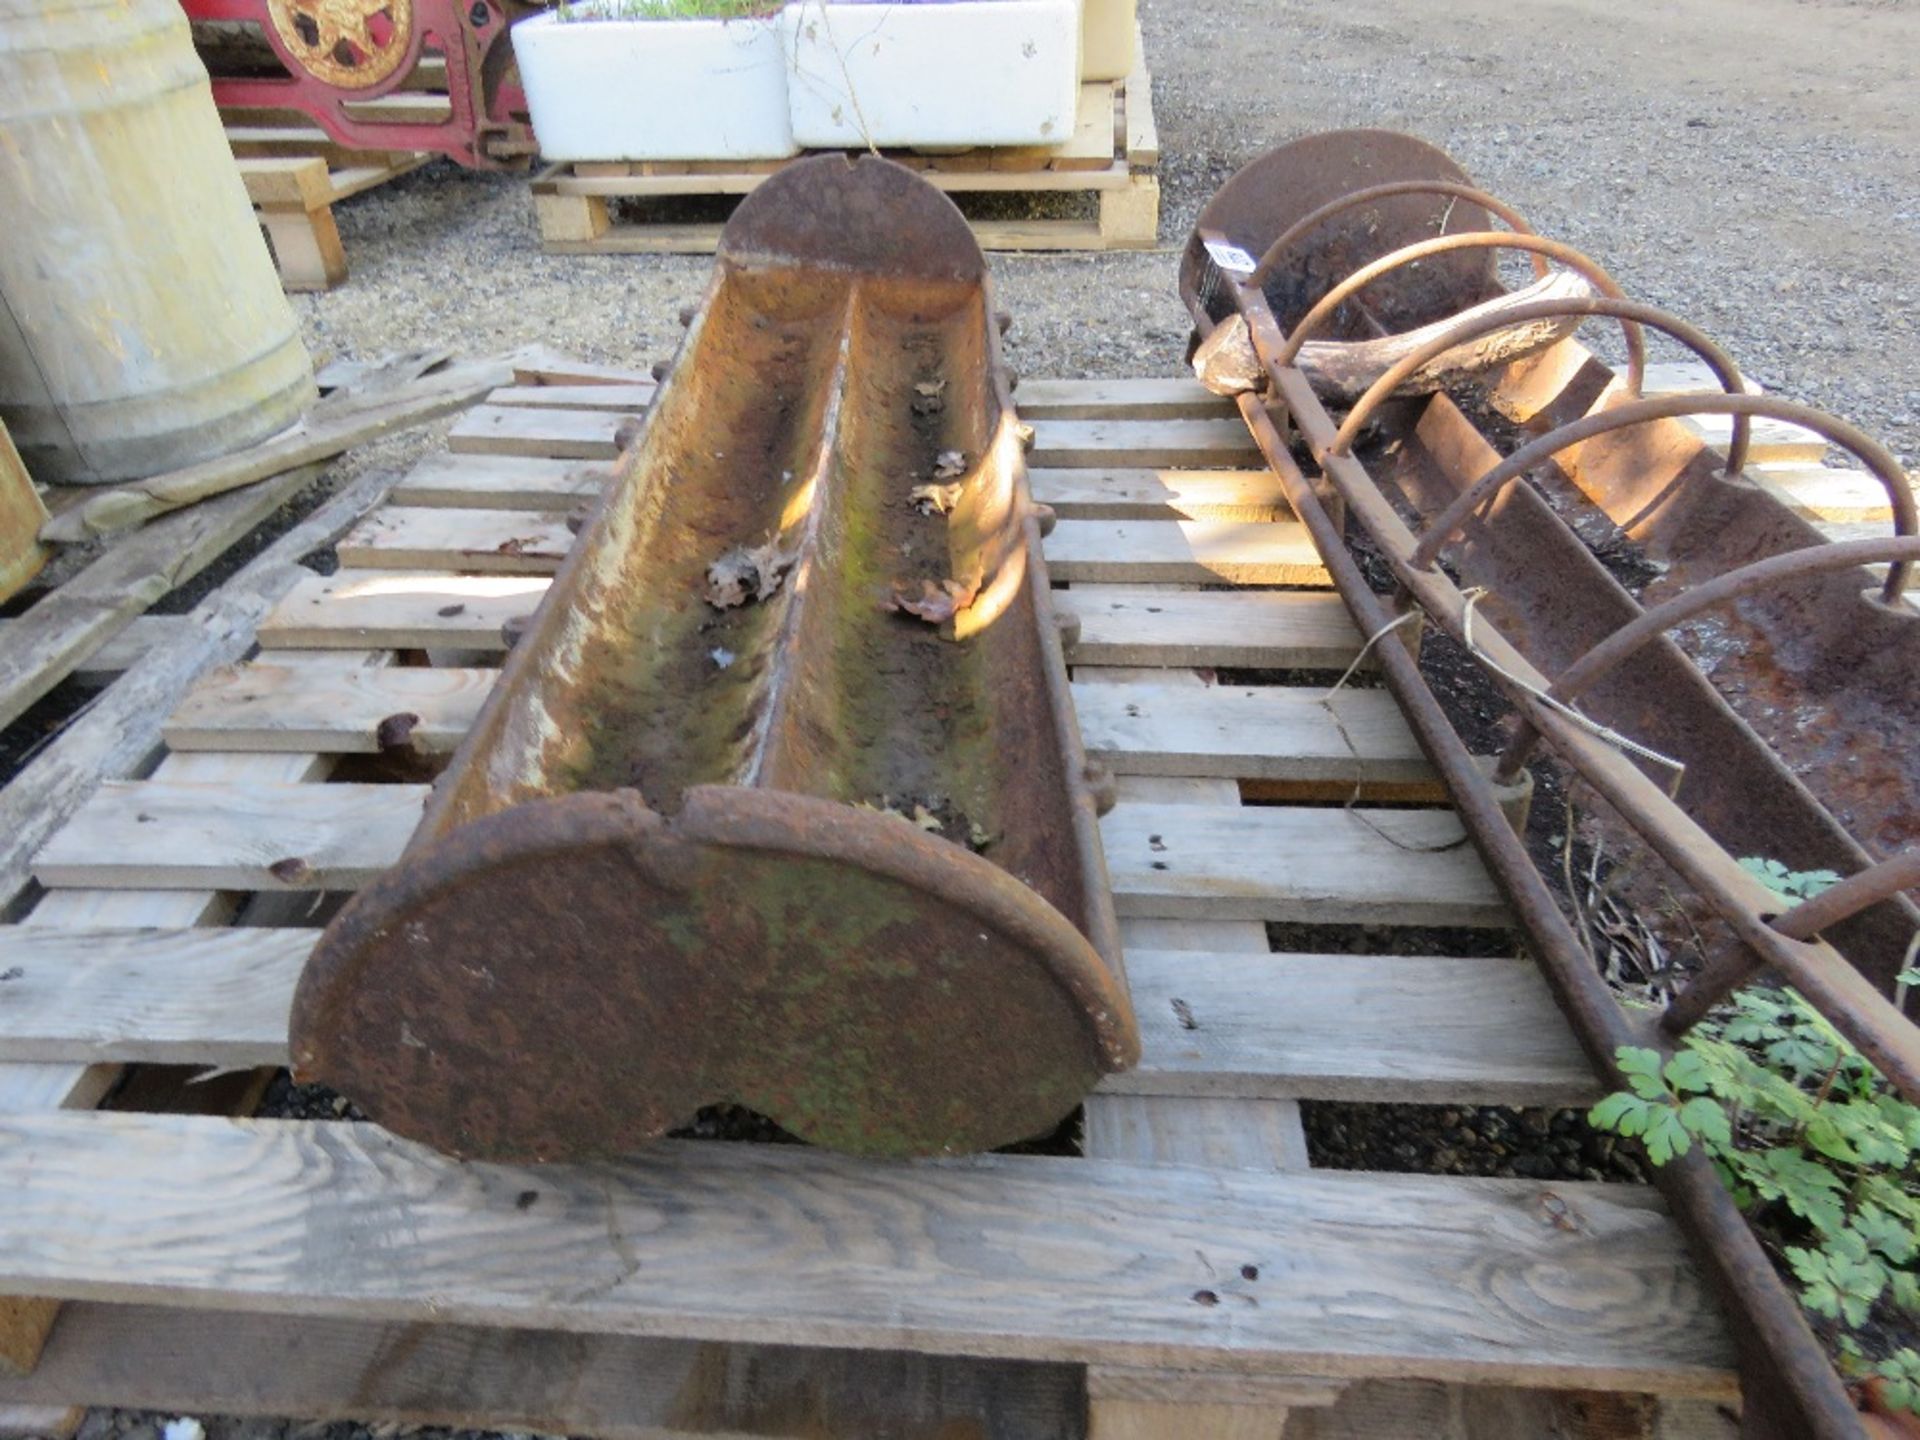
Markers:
point(1490, 203)
point(1834, 431)
point(1650, 625)
point(1736, 965)
point(1440, 245)
point(1793, 1359)
point(1722, 365)
point(1851, 896)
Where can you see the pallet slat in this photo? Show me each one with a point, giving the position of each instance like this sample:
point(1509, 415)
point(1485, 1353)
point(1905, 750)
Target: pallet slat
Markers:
point(1137, 494)
point(1170, 861)
point(780, 1244)
point(1177, 398)
point(329, 708)
point(1260, 1027)
point(589, 435)
point(635, 396)
point(541, 434)
point(1265, 733)
point(397, 610)
point(504, 542)
point(501, 482)
point(1189, 552)
point(1143, 442)
point(534, 1381)
point(161, 835)
point(1311, 866)
point(1242, 629)
point(1352, 1027)
point(361, 609)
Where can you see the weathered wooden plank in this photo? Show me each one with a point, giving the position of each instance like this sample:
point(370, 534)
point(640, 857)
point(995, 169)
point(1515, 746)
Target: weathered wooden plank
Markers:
point(1143, 442)
point(157, 835)
point(664, 238)
point(1326, 866)
point(1772, 441)
point(336, 707)
point(388, 610)
point(744, 178)
point(360, 609)
point(21, 515)
point(1826, 495)
point(1141, 494)
point(120, 734)
point(1238, 1133)
point(502, 482)
point(543, 365)
point(1352, 1027)
point(1013, 1257)
point(208, 995)
point(553, 434)
point(1212, 1132)
point(1261, 1027)
point(537, 1381)
point(629, 399)
point(26, 1321)
point(126, 648)
point(1247, 629)
point(1242, 733)
point(1187, 552)
point(1174, 398)
point(42, 647)
point(498, 542)
point(1143, 134)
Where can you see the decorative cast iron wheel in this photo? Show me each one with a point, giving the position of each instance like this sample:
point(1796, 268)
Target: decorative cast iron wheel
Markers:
point(352, 44)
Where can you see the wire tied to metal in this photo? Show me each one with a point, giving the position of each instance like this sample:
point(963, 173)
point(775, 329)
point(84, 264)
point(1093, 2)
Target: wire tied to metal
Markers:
point(1625, 744)
point(1416, 614)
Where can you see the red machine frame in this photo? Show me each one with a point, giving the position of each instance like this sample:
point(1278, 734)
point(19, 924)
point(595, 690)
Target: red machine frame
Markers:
point(339, 52)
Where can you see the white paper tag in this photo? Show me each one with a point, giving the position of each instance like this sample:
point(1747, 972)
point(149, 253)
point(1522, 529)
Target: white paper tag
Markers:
point(1231, 258)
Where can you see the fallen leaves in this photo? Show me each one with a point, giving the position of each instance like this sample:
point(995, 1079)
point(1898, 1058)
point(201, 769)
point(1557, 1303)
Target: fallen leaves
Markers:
point(935, 499)
point(744, 574)
point(949, 463)
point(934, 603)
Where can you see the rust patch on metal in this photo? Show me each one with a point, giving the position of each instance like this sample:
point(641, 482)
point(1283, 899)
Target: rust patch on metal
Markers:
point(731, 827)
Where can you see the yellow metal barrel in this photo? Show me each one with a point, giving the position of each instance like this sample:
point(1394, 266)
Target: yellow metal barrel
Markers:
point(142, 325)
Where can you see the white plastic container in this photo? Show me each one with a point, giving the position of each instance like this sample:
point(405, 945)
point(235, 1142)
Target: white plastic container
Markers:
point(973, 72)
point(655, 89)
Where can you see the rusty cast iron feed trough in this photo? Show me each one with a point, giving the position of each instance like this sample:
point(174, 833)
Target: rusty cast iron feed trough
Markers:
point(1378, 243)
point(779, 800)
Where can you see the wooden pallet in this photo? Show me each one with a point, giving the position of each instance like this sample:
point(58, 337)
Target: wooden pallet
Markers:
point(1788, 461)
point(98, 604)
point(295, 174)
point(1113, 157)
point(1192, 1275)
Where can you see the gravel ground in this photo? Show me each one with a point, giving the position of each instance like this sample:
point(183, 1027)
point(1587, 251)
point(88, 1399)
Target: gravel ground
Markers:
point(1752, 164)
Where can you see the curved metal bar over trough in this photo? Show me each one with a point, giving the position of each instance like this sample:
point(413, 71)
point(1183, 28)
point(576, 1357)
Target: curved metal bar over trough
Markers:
point(779, 801)
point(1565, 606)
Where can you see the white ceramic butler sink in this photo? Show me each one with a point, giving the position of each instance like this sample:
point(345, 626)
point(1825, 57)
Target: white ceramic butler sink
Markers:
point(616, 89)
point(960, 73)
